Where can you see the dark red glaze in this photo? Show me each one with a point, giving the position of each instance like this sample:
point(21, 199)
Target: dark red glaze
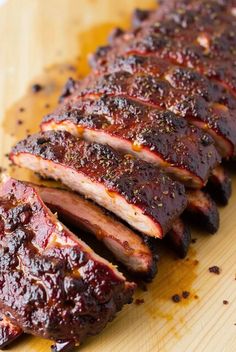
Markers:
point(186, 79)
point(139, 17)
point(179, 238)
point(8, 331)
point(52, 284)
point(160, 133)
point(159, 93)
point(165, 9)
point(139, 183)
point(178, 38)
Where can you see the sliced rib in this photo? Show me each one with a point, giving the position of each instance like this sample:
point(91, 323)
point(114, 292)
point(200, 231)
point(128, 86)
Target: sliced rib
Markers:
point(53, 284)
point(185, 79)
point(202, 38)
point(219, 185)
point(136, 191)
point(202, 211)
point(191, 16)
point(215, 118)
point(139, 18)
point(90, 217)
point(127, 246)
point(179, 238)
point(159, 137)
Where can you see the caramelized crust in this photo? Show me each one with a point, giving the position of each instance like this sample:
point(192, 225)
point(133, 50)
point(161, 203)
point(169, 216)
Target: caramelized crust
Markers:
point(215, 118)
point(136, 191)
point(52, 284)
point(179, 238)
point(202, 211)
point(153, 135)
point(200, 37)
point(8, 331)
point(220, 185)
point(185, 79)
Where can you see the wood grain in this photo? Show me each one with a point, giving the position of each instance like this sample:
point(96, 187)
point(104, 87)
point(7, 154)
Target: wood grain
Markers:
point(35, 34)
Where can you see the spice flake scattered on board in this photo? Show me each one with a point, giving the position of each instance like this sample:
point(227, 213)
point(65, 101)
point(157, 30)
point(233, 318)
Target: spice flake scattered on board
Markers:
point(139, 301)
point(36, 88)
point(176, 298)
point(215, 270)
point(185, 294)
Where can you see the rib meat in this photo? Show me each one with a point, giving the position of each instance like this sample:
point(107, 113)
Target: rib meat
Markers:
point(179, 237)
point(124, 243)
point(154, 47)
point(202, 211)
point(136, 191)
point(186, 79)
point(156, 136)
point(52, 284)
point(215, 118)
point(127, 246)
point(202, 37)
point(220, 185)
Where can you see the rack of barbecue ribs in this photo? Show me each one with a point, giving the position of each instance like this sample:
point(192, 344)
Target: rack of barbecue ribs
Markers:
point(138, 147)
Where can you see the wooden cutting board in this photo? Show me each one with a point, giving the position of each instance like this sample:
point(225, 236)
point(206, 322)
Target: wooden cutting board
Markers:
point(36, 34)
